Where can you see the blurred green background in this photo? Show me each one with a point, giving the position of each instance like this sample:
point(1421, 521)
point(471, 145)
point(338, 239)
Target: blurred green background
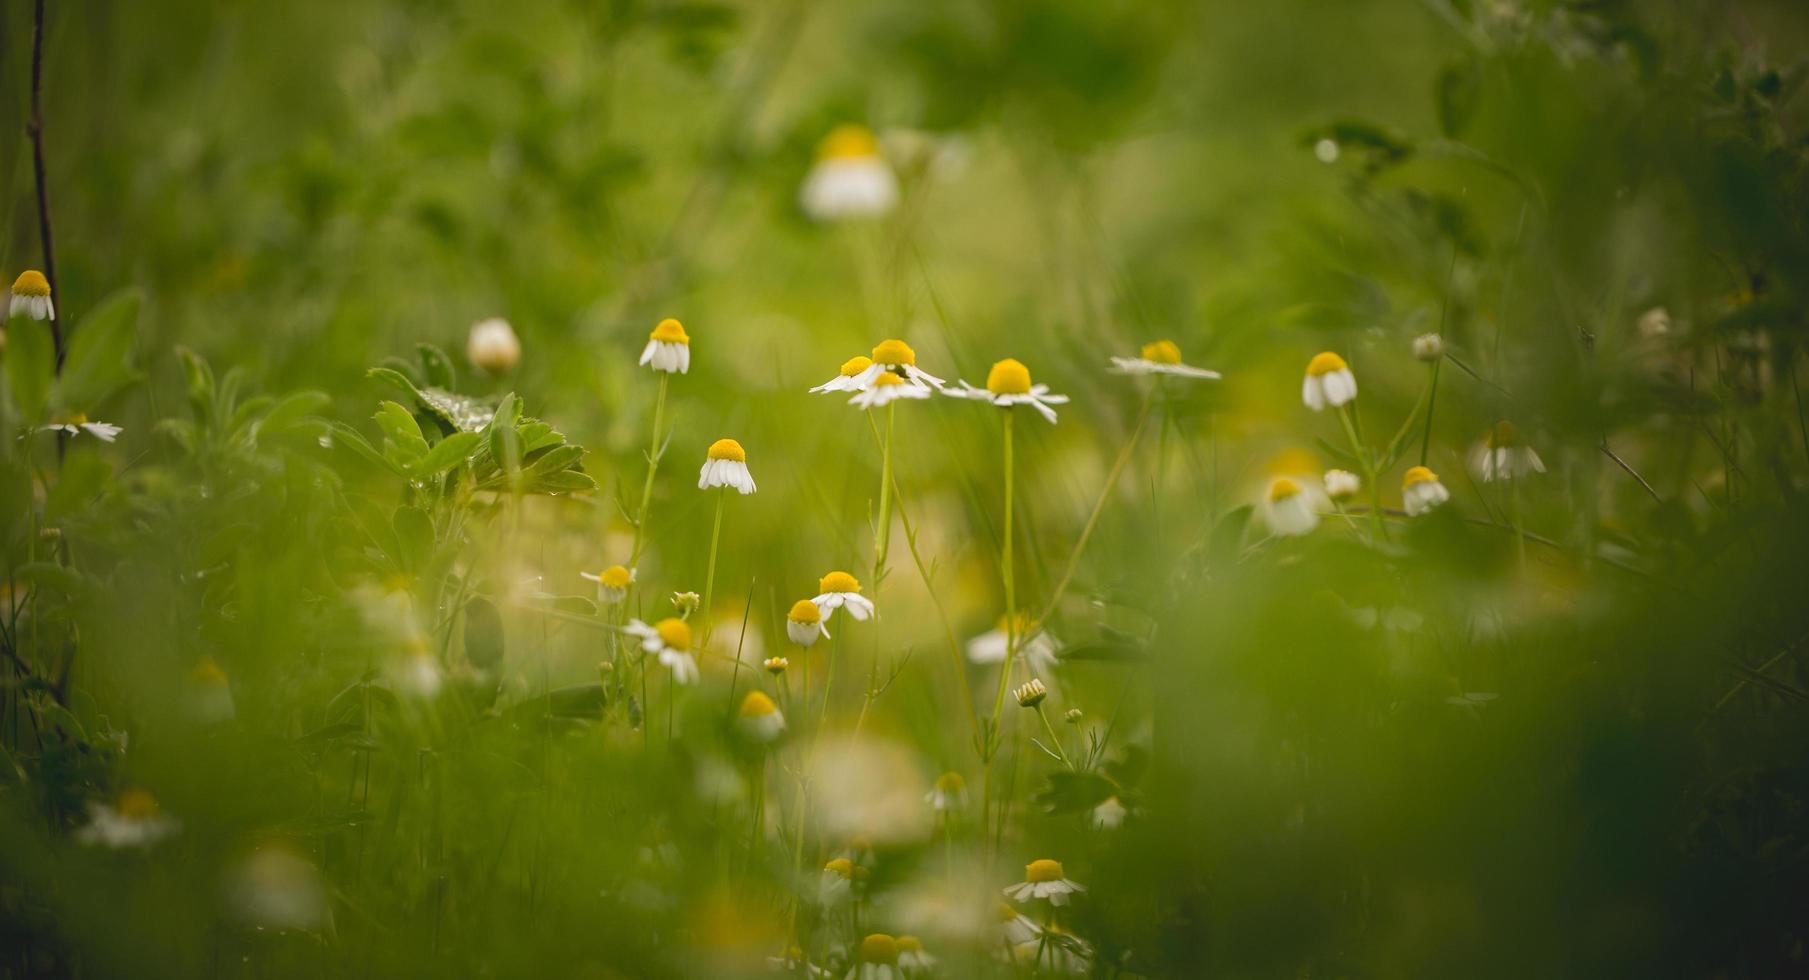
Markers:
point(1433, 759)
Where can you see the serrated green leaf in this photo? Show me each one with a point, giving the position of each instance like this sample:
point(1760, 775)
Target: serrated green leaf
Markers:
point(448, 453)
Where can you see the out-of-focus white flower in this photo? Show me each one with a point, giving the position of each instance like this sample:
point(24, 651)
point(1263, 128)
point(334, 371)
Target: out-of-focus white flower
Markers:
point(1160, 357)
point(1428, 347)
point(725, 465)
point(792, 963)
point(1654, 323)
point(849, 180)
point(134, 820)
point(612, 583)
point(686, 603)
point(760, 718)
point(949, 794)
point(873, 790)
point(841, 590)
point(835, 886)
point(1044, 878)
point(1038, 649)
point(1326, 150)
point(1502, 455)
point(670, 640)
point(1329, 381)
point(886, 389)
point(1016, 927)
point(277, 889)
point(416, 673)
point(1342, 485)
point(778, 665)
point(1291, 510)
point(1008, 384)
point(1421, 491)
point(209, 694)
point(912, 959)
point(492, 346)
point(1109, 815)
point(804, 623)
point(668, 348)
point(877, 960)
point(896, 357)
point(77, 423)
point(853, 369)
point(31, 296)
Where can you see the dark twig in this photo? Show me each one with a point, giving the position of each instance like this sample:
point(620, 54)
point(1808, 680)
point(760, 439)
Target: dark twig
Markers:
point(35, 126)
point(1630, 470)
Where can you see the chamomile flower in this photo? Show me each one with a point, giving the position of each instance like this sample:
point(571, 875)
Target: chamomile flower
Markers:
point(31, 296)
point(1037, 649)
point(612, 583)
point(1328, 382)
point(1015, 927)
point(842, 591)
point(1109, 815)
point(897, 357)
point(1428, 347)
point(1342, 485)
point(878, 959)
point(1160, 357)
point(912, 959)
point(886, 389)
point(835, 886)
point(134, 820)
point(777, 665)
point(760, 718)
point(1421, 491)
point(792, 963)
point(849, 380)
point(1008, 384)
point(78, 423)
point(670, 639)
point(1044, 878)
point(804, 623)
point(668, 348)
point(1503, 455)
point(949, 793)
point(209, 694)
point(1058, 951)
point(850, 179)
point(1290, 509)
point(1031, 693)
point(492, 346)
point(725, 465)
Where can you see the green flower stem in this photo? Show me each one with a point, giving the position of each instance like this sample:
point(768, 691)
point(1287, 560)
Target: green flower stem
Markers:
point(882, 533)
point(1011, 607)
point(1054, 739)
point(710, 572)
point(1379, 530)
point(654, 452)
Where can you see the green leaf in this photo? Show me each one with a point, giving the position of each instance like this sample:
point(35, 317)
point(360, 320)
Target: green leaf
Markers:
point(199, 380)
point(462, 412)
point(436, 367)
point(395, 378)
point(505, 442)
point(1073, 792)
point(414, 534)
point(484, 638)
point(30, 362)
point(286, 413)
point(101, 349)
point(348, 438)
point(404, 434)
point(448, 453)
point(564, 481)
point(552, 461)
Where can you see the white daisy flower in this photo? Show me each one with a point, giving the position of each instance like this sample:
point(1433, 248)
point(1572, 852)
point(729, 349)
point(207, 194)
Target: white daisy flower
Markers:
point(1501, 455)
point(878, 959)
point(1044, 878)
point(949, 794)
point(277, 889)
point(1109, 815)
point(1008, 384)
point(134, 821)
point(912, 959)
point(1059, 952)
point(1328, 382)
point(209, 694)
point(760, 718)
point(1015, 927)
point(1291, 510)
point(1031, 693)
point(1428, 347)
point(1421, 491)
point(897, 357)
point(1342, 484)
point(886, 389)
point(416, 673)
point(670, 640)
point(804, 623)
point(668, 348)
point(792, 963)
point(778, 665)
point(725, 465)
point(835, 886)
point(1160, 357)
point(612, 583)
point(842, 590)
point(78, 423)
point(31, 296)
point(849, 180)
point(492, 346)
point(849, 379)
point(990, 647)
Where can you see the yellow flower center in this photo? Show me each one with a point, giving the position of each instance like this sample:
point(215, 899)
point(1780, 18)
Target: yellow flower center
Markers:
point(848, 141)
point(31, 282)
point(894, 353)
point(72, 418)
point(1043, 870)
point(674, 633)
point(805, 611)
point(757, 705)
point(728, 449)
point(887, 378)
point(1282, 489)
point(1007, 913)
point(1418, 474)
point(616, 577)
point(1162, 352)
point(879, 948)
point(207, 672)
point(136, 804)
point(1008, 377)
point(910, 944)
point(1325, 363)
point(839, 582)
point(1504, 436)
point(841, 866)
point(855, 365)
point(951, 782)
point(670, 331)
